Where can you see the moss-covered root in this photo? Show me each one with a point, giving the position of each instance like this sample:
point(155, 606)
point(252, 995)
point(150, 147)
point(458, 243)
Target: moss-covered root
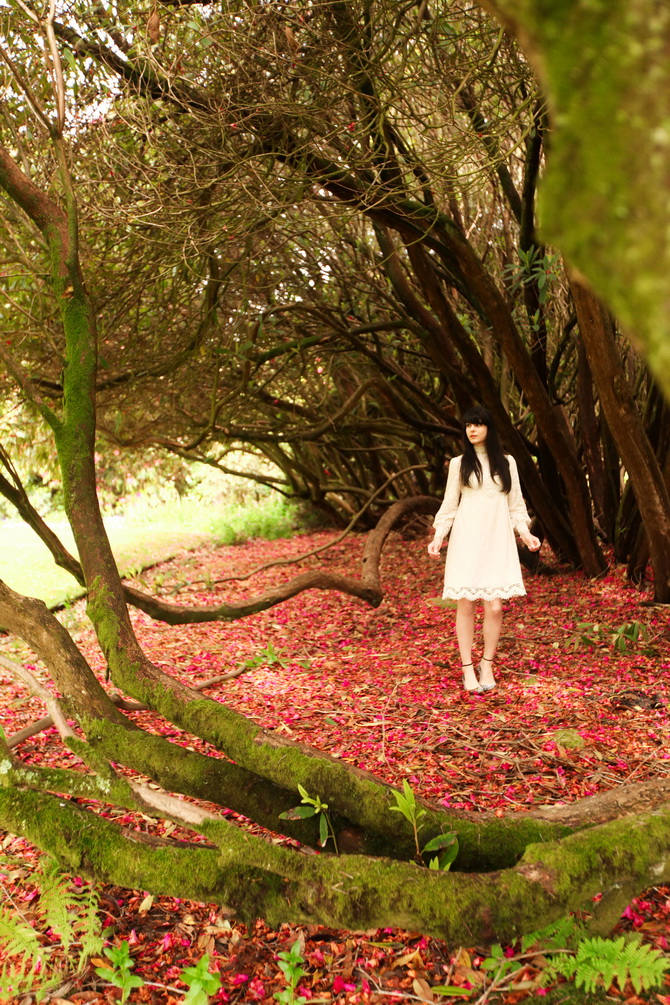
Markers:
point(258, 878)
point(617, 859)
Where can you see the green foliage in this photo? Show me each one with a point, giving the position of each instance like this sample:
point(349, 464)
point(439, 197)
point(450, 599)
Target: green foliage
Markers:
point(269, 656)
point(201, 983)
point(270, 518)
point(533, 268)
point(62, 908)
point(311, 807)
point(623, 639)
point(445, 844)
point(24, 956)
point(589, 634)
point(291, 965)
point(407, 805)
point(600, 962)
point(119, 973)
point(591, 962)
point(627, 636)
point(558, 934)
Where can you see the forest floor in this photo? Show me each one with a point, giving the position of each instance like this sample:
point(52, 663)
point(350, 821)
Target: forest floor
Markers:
point(581, 706)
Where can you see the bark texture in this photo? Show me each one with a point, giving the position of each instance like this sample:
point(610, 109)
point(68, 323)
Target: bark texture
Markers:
point(625, 423)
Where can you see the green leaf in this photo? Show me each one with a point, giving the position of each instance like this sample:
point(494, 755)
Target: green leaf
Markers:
point(199, 975)
point(323, 830)
point(298, 813)
point(196, 995)
point(450, 989)
point(448, 857)
point(409, 794)
point(441, 841)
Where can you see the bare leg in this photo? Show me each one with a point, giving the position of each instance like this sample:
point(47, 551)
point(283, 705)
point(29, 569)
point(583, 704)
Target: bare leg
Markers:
point(465, 631)
point(493, 616)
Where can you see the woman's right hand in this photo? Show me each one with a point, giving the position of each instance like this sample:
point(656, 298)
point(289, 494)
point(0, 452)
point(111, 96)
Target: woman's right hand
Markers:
point(435, 546)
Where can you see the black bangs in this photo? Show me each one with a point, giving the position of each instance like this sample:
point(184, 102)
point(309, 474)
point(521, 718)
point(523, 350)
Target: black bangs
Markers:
point(477, 415)
point(498, 463)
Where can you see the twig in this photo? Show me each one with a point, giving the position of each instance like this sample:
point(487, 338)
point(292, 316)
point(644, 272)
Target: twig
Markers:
point(56, 713)
point(127, 706)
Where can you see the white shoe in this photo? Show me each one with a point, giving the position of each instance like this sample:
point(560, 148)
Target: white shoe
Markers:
point(486, 678)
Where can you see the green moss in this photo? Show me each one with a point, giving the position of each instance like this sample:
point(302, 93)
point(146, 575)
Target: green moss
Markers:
point(214, 779)
point(570, 738)
point(256, 877)
point(614, 860)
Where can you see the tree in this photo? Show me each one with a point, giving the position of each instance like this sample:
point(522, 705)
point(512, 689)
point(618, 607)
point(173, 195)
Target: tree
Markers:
point(159, 117)
point(515, 874)
point(605, 200)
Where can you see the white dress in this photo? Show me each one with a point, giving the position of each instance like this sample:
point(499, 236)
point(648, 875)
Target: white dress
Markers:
point(482, 558)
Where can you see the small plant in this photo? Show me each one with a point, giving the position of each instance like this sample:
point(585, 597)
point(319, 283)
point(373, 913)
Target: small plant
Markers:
point(533, 269)
point(267, 657)
point(600, 962)
point(446, 844)
point(201, 983)
point(623, 639)
point(291, 965)
point(590, 634)
point(119, 973)
point(627, 636)
point(311, 807)
point(67, 908)
point(590, 962)
point(407, 805)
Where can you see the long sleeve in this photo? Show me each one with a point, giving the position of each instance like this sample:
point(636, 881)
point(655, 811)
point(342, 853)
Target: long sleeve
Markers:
point(517, 507)
point(447, 511)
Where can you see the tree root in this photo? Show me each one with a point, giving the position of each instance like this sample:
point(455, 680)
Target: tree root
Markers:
point(256, 878)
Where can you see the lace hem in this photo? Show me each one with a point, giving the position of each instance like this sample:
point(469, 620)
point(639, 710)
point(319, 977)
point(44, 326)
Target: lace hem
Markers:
point(483, 592)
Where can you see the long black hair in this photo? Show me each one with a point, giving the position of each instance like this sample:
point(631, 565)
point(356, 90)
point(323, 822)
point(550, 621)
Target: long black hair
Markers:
point(498, 463)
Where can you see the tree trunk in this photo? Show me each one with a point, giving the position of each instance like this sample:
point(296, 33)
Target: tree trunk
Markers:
point(597, 330)
point(590, 435)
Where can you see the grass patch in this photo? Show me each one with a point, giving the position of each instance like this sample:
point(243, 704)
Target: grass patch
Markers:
point(143, 537)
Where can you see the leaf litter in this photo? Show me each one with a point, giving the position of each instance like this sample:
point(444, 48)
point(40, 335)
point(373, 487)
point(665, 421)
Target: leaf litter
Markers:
point(575, 713)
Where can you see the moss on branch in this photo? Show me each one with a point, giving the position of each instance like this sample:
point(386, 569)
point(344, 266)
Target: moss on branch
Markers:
point(257, 878)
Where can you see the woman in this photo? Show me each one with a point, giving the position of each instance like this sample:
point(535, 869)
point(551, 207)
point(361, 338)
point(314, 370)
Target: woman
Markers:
point(482, 507)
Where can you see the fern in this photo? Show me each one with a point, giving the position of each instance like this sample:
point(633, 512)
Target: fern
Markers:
point(24, 956)
point(602, 961)
point(559, 934)
point(68, 912)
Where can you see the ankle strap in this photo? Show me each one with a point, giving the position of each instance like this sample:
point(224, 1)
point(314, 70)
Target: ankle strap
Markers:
point(464, 665)
point(488, 660)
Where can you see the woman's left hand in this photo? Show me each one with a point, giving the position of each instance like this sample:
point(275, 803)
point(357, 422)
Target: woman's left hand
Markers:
point(532, 543)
